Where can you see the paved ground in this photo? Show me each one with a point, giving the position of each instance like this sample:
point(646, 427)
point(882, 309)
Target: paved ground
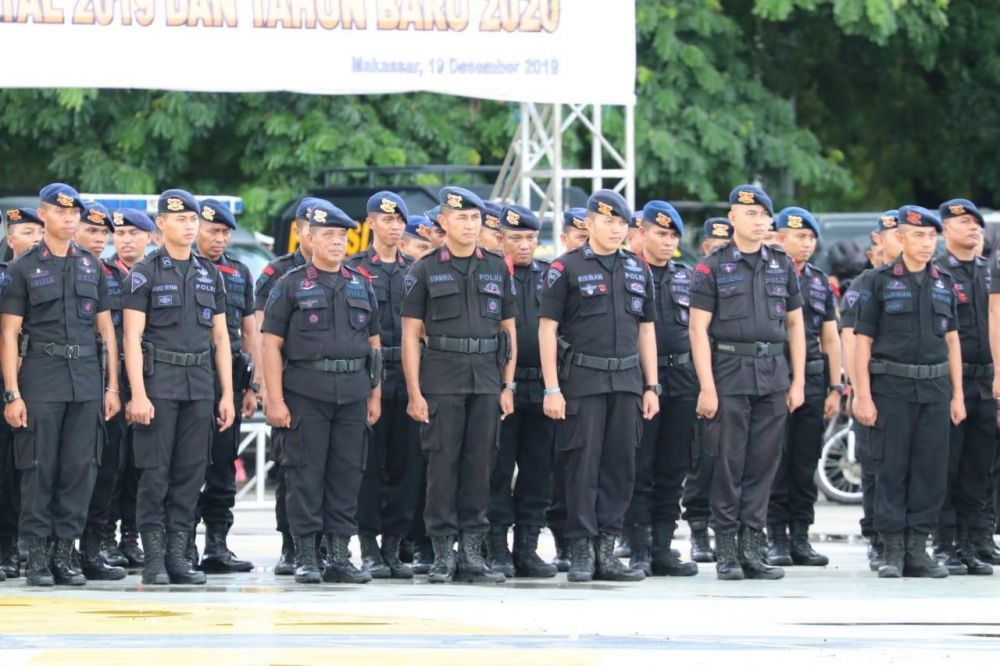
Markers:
point(839, 611)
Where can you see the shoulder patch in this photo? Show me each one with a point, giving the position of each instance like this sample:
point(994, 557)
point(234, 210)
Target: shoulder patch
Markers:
point(136, 281)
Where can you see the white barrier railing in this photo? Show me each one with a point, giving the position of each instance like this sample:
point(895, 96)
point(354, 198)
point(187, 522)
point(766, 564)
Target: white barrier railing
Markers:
point(257, 433)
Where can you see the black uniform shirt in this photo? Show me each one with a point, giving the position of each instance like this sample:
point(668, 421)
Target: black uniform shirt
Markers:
point(748, 298)
point(859, 291)
point(271, 273)
point(972, 289)
point(528, 283)
point(239, 297)
point(673, 302)
point(58, 297)
point(907, 319)
point(179, 307)
point(599, 312)
point(323, 315)
point(459, 298)
point(115, 272)
point(386, 279)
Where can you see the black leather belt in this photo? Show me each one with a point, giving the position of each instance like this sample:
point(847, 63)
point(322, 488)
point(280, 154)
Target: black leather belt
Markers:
point(392, 354)
point(527, 374)
point(605, 364)
point(815, 367)
point(180, 358)
point(462, 345)
point(754, 349)
point(974, 371)
point(337, 366)
point(61, 351)
point(674, 360)
point(883, 367)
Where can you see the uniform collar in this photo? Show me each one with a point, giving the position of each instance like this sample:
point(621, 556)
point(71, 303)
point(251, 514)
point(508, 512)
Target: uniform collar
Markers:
point(375, 259)
point(44, 253)
point(589, 253)
point(899, 268)
point(444, 254)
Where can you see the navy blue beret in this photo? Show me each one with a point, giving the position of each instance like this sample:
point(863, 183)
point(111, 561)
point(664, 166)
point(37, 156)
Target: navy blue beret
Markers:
point(459, 198)
point(132, 217)
point(887, 220)
point(62, 195)
point(325, 214)
point(956, 207)
point(750, 195)
point(387, 202)
point(178, 201)
point(419, 227)
point(491, 214)
point(96, 214)
point(663, 215)
point(216, 211)
point(518, 218)
point(432, 215)
point(610, 203)
point(719, 228)
point(794, 217)
point(918, 216)
point(304, 207)
point(575, 217)
point(23, 215)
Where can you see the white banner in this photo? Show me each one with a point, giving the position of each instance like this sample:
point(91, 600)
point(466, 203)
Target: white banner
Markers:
point(568, 51)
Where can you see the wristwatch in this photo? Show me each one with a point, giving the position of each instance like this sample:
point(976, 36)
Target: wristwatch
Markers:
point(255, 387)
point(510, 385)
point(655, 388)
point(11, 396)
point(839, 388)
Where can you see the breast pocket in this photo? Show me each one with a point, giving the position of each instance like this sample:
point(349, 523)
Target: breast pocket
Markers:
point(942, 317)
point(312, 314)
point(45, 303)
point(635, 299)
point(777, 300)
point(360, 313)
point(489, 299)
point(446, 300)
point(682, 306)
point(733, 302)
point(86, 293)
point(898, 313)
point(206, 307)
point(165, 310)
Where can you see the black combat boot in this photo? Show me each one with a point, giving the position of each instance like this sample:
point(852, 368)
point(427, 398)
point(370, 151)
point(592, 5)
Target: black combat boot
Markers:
point(110, 552)
point(10, 563)
point(179, 566)
point(624, 546)
point(191, 549)
point(751, 544)
point(94, 566)
point(637, 537)
point(501, 559)
point(609, 567)
point(665, 561)
point(339, 568)
point(917, 563)
point(391, 544)
point(306, 565)
point(527, 563)
point(780, 552)
point(943, 545)
point(893, 553)
point(727, 558)
point(471, 565)
point(967, 554)
point(875, 550)
point(803, 554)
point(581, 562)
point(986, 548)
point(561, 560)
point(423, 556)
point(154, 568)
point(701, 547)
point(285, 566)
point(36, 569)
point(443, 568)
point(371, 558)
point(61, 564)
point(217, 557)
point(129, 547)
point(406, 551)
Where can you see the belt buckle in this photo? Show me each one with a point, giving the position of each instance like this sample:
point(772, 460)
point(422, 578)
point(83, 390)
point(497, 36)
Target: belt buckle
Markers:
point(923, 372)
point(72, 351)
point(614, 364)
point(762, 349)
point(472, 345)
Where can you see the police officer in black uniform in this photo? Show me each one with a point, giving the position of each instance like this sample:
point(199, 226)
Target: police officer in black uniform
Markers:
point(964, 518)
point(24, 229)
point(717, 232)
point(908, 381)
point(527, 435)
point(218, 497)
point(490, 237)
point(133, 232)
point(92, 235)
point(265, 282)
point(174, 315)
point(391, 481)
point(463, 297)
point(793, 494)
point(598, 344)
point(745, 307)
point(55, 300)
point(665, 454)
point(323, 371)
